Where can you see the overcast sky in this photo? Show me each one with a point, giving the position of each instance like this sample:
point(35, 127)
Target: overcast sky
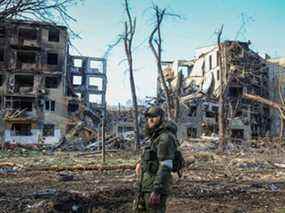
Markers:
point(99, 23)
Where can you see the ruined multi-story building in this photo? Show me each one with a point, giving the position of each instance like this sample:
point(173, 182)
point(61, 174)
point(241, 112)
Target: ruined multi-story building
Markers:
point(243, 71)
point(35, 82)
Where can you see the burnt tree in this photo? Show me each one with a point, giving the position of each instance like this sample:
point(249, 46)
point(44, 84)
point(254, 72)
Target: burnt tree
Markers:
point(128, 36)
point(155, 43)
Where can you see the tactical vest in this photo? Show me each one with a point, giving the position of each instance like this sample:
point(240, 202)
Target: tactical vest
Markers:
point(150, 162)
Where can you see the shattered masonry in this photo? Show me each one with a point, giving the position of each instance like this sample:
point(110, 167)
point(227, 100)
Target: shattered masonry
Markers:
point(245, 71)
point(44, 91)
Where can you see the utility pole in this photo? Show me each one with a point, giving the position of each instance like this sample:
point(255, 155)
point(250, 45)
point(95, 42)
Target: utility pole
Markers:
point(103, 137)
point(221, 118)
point(104, 111)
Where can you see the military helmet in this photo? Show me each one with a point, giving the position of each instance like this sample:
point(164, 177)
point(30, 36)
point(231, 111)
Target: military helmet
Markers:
point(154, 111)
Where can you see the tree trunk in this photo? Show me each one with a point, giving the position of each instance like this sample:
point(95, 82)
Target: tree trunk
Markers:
point(130, 27)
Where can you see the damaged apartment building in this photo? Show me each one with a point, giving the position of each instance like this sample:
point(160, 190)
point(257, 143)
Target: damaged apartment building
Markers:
point(243, 71)
point(42, 87)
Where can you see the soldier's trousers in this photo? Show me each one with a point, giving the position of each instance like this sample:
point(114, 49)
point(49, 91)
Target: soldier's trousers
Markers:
point(159, 209)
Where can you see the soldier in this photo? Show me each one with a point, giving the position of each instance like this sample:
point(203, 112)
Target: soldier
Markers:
point(156, 162)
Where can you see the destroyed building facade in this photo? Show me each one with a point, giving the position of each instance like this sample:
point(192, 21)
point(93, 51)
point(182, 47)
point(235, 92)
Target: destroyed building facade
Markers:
point(35, 81)
point(243, 71)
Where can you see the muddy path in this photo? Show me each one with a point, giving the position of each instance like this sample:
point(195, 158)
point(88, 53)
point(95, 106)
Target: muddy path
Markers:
point(210, 183)
point(113, 191)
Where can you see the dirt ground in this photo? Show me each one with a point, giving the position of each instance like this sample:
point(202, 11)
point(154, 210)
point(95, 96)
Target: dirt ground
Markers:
point(246, 180)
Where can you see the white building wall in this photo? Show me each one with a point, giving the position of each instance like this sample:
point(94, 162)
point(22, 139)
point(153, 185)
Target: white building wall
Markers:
point(33, 139)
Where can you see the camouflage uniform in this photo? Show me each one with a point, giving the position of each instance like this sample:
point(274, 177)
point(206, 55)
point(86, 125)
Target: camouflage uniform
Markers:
point(155, 159)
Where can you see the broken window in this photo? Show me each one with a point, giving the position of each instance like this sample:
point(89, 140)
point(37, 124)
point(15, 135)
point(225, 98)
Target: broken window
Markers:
point(24, 81)
point(192, 132)
point(95, 82)
point(50, 105)
point(22, 103)
point(52, 58)
point(51, 82)
point(76, 80)
point(28, 34)
point(77, 62)
point(22, 129)
point(48, 130)
point(2, 31)
point(184, 70)
point(53, 35)
point(218, 74)
point(72, 106)
point(218, 58)
point(94, 98)
point(98, 65)
point(1, 54)
point(26, 57)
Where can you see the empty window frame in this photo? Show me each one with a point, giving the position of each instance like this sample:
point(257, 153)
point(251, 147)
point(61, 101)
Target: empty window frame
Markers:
point(51, 82)
point(28, 34)
point(26, 57)
point(24, 81)
point(50, 105)
point(48, 130)
point(2, 79)
point(77, 62)
point(21, 129)
point(95, 98)
point(23, 103)
point(2, 31)
point(98, 65)
point(218, 74)
point(53, 35)
point(210, 62)
point(184, 70)
point(192, 132)
point(1, 54)
point(72, 106)
point(95, 82)
point(52, 58)
point(218, 58)
point(77, 80)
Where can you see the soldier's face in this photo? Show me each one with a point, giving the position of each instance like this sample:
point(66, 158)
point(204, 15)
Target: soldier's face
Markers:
point(153, 121)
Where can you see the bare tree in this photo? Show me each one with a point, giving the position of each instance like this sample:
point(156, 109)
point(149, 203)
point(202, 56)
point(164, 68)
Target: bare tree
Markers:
point(221, 117)
point(155, 43)
point(130, 29)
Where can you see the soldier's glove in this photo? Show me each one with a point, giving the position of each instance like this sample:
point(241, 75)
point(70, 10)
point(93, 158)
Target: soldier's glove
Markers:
point(154, 199)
